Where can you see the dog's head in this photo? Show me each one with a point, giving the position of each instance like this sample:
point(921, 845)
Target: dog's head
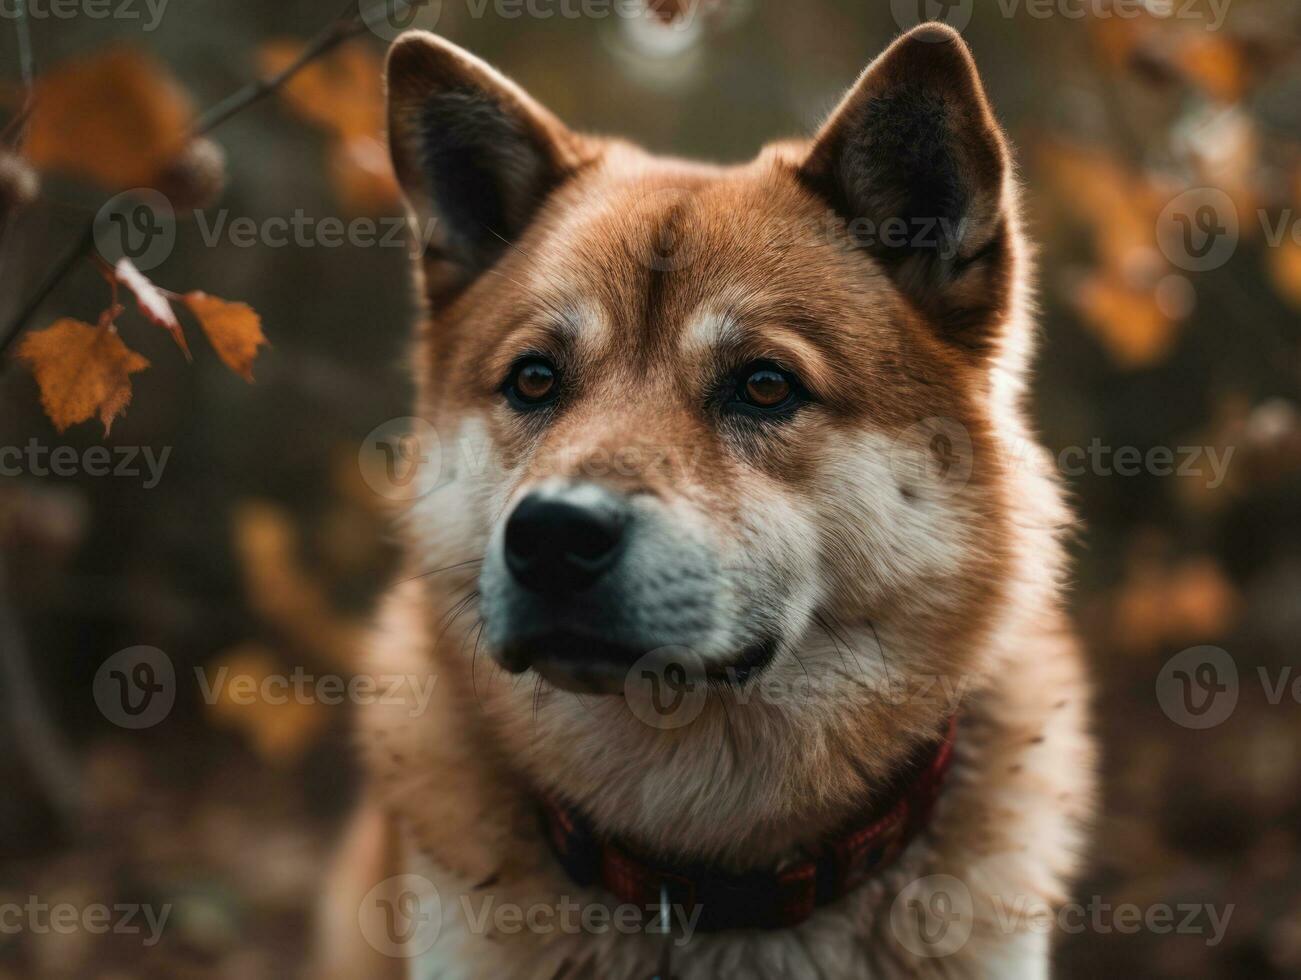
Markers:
point(736, 416)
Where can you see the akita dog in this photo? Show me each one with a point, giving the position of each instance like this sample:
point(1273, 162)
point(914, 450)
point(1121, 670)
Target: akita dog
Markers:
point(738, 584)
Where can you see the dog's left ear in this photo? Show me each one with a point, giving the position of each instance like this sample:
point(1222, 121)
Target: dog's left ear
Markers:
point(916, 165)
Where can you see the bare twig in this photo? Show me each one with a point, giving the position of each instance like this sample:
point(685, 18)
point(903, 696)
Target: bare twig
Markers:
point(36, 738)
point(349, 24)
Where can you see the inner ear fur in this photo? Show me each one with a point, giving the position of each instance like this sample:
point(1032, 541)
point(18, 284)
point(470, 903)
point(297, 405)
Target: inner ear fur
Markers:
point(916, 165)
point(475, 155)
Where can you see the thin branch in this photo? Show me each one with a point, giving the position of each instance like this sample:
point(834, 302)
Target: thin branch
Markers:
point(26, 61)
point(349, 24)
point(36, 737)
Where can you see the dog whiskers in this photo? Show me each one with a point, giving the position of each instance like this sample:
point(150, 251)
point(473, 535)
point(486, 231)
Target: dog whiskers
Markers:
point(445, 568)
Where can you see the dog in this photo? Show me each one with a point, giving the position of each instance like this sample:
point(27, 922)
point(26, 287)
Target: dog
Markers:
point(739, 586)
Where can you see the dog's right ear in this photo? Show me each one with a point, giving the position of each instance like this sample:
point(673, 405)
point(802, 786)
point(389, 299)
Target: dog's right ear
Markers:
point(475, 155)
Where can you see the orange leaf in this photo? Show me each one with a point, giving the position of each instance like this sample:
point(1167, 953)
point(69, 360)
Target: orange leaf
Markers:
point(153, 304)
point(116, 118)
point(1213, 63)
point(1285, 266)
point(252, 694)
point(82, 371)
point(362, 175)
point(341, 92)
point(1129, 322)
point(233, 329)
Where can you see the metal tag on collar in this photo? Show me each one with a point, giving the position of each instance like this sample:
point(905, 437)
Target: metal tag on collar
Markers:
point(664, 971)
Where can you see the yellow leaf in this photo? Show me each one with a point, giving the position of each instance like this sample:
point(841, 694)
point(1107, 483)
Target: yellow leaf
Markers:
point(1129, 322)
point(343, 95)
point(341, 92)
point(1285, 267)
point(233, 329)
point(82, 371)
point(362, 175)
point(116, 118)
point(280, 715)
point(1213, 63)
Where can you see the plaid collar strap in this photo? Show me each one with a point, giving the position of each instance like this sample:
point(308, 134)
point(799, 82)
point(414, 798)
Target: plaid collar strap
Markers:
point(775, 899)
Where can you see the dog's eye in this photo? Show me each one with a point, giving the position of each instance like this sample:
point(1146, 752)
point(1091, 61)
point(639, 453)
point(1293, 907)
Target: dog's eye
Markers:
point(533, 382)
point(766, 389)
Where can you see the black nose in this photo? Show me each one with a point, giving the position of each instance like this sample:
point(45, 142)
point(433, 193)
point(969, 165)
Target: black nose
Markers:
point(561, 544)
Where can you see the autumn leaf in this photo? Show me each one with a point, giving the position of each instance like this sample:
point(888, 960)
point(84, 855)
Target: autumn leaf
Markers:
point(153, 304)
point(116, 117)
point(1285, 267)
point(254, 696)
point(343, 95)
point(82, 371)
point(233, 329)
point(362, 174)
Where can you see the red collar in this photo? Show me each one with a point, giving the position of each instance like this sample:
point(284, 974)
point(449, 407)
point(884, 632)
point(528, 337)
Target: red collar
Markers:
point(758, 899)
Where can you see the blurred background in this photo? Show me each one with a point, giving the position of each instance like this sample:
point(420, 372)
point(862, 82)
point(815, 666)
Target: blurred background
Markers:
point(1160, 148)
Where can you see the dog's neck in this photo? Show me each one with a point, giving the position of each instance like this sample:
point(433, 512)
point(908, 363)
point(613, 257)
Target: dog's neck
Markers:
point(773, 897)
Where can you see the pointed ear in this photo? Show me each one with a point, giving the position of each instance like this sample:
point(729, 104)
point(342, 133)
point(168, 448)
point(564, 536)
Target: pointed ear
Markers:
point(475, 155)
point(916, 165)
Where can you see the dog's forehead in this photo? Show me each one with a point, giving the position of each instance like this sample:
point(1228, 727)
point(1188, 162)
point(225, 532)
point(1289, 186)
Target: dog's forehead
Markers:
point(684, 258)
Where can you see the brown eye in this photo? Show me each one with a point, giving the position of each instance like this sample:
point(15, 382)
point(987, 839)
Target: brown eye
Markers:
point(533, 383)
point(767, 388)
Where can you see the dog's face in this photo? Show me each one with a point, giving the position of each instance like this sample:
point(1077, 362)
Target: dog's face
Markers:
point(733, 416)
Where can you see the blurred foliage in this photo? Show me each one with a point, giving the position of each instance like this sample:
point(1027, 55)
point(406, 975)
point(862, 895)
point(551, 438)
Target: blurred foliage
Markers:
point(261, 549)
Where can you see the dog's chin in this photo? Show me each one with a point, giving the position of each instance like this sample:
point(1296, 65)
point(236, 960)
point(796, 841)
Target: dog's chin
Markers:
point(588, 665)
